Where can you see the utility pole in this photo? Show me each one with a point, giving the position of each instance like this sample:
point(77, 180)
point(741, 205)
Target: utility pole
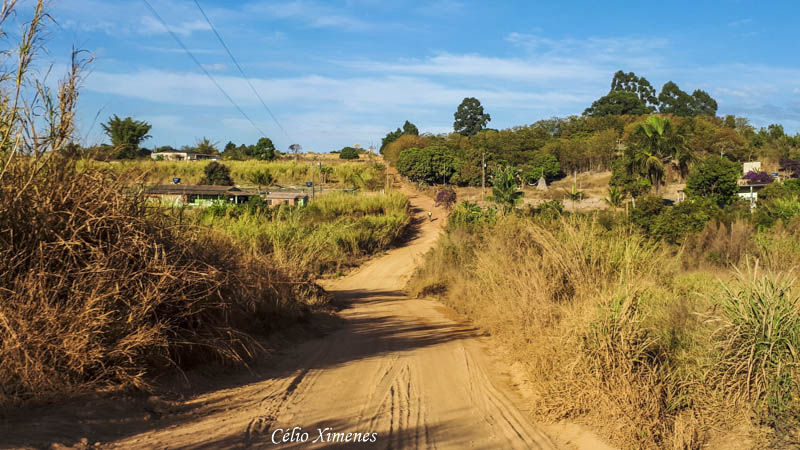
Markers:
point(483, 174)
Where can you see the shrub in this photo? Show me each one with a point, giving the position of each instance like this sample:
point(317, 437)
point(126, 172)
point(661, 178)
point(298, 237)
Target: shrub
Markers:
point(677, 222)
point(716, 179)
point(760, 339)
point(471, 217)
point(217, 174)
point(436, 164)
point(446, 198)
point(758, 177)
point(105, 291)
point(646, 210)
point(348, 153)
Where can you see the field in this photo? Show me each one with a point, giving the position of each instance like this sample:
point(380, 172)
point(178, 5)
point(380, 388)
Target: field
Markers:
point(655, 346)
point(332, 233)
point(363, 174)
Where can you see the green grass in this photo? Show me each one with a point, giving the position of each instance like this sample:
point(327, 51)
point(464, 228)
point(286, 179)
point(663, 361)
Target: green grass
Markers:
point(331, 233)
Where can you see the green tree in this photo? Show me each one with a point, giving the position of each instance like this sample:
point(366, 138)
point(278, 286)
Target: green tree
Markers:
point(126, 135)
point(629, 82)
point(264, 150)
point(617, 103)
point(542, 165)
point(410, 128)
point(715, 178)
point(656, 143)
point(260, 177)
point(703, 104)
point(470, 117)
point(348, 153)
point(434, 164)
point(206, 147)
point(217, 174)
point(505, 188)
point(675, 101)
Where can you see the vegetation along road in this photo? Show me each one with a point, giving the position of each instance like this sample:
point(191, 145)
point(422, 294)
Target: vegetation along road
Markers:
point(398, 367)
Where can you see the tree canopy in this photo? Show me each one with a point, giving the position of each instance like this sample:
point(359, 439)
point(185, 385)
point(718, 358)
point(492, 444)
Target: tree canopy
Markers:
point(470, 117)
point(217, 174)
point(126, 136)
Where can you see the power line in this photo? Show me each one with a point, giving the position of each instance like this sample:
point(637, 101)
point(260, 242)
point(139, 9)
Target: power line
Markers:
point(236, 63)
point(210, 77)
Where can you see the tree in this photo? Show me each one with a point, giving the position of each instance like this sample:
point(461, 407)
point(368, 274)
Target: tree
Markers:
point(435, 164)
point(542, 165)
point(656, 143)
point(470, 118)
point(410, 128)
point(260, 178)
point(126, 135)
point(264, 150)
point(348, 153)
point(217, 174)
point(703, 104)
point(675, 101)
point(505, 187)
point(206, 147)
point(716, 179)
point(229, 148)
point(629, 82)
point(617, 103)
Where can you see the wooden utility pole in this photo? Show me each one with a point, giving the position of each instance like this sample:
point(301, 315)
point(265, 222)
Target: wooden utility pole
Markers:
point(483, 174)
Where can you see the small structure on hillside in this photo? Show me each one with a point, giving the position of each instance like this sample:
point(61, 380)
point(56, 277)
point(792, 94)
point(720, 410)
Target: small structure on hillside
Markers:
point(542, 184)
point(286, 198)
point(753, 166)
point(183, 156)
point(179, 194)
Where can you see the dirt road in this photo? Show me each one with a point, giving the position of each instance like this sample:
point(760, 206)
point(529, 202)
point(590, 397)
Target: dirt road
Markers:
point(397, 367)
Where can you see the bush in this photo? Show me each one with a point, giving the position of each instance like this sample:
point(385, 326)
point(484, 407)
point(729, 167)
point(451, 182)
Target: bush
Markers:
point(677, 222)
point(217, 174)
point(105, 291)
point(471, 217)
point(758, 177)
point(716, 179)
point(446, 198)
point(436, 164)
point(646, 210)
point(348, 153)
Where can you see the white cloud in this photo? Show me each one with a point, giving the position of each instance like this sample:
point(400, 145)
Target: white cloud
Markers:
point(150, 25)
point(313, 14)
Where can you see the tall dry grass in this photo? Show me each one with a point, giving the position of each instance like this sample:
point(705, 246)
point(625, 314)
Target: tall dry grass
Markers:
point(361, 175)
point(615, 333)
point(95, 288)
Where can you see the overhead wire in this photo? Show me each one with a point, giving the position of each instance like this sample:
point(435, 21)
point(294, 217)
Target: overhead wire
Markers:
point(205, 71)
point(241, 71)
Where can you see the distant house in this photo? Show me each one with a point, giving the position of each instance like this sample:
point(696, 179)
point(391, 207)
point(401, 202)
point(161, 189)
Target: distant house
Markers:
point(179, 194)
point(183, 156)
point(286, 198)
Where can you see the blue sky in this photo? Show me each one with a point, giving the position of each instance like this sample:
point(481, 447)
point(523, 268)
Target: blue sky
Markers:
point(339, 73)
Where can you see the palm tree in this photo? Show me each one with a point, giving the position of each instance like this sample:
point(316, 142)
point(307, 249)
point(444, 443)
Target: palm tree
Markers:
point(504, 189)
point(658, 145)
point(615, 197)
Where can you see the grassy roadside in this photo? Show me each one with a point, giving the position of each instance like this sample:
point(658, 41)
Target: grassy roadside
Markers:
point(332, 233)
point(619, 334)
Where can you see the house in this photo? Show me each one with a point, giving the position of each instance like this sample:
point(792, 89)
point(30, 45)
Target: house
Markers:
point(179, 194)
point(183, 156)
point(286, 198)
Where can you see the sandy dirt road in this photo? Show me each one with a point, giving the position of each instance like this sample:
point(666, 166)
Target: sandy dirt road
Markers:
point(396, 366)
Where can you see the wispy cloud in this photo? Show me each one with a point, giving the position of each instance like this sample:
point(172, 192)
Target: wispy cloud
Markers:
point(150, 25)
point(740, 22)
point(312, 14)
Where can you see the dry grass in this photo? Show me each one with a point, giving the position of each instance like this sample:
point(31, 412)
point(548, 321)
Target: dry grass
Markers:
point(96, 290)
point(614, 333)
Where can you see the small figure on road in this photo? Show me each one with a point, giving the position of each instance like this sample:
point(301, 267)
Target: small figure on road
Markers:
point(430, 216)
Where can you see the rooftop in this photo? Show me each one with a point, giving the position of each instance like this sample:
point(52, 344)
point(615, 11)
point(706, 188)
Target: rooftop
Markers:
point(182, 189)
point(284, 194)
